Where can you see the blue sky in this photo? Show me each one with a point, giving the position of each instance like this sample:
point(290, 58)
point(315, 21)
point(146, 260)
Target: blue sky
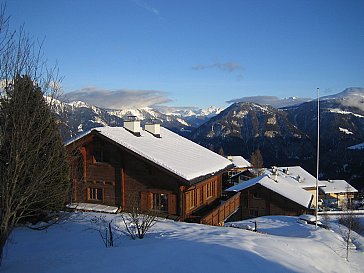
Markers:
point(199, 53)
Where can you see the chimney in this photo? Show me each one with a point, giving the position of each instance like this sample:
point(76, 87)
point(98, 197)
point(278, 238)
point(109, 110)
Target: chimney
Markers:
point(153, 128)
point(132, 125)
point(274, 177)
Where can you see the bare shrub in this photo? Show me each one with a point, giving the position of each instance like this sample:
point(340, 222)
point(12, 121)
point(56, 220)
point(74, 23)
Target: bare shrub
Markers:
point(108, 231)
point(352, 223)
point(138, 222)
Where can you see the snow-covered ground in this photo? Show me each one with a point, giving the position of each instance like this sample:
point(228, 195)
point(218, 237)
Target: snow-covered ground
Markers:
point(281, 245)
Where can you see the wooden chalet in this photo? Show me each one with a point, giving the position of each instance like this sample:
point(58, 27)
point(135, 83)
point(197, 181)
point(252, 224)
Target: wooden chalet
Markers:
point(338, 192)
point(240, 164)
point(239, 173)
point(270, 194)
point(300, 177)
point(335, 193)
point(152, 168)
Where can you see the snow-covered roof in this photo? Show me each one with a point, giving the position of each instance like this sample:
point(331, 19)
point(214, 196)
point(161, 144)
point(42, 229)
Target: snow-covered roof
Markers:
point(337, 186)
point(171, 151)
point(297, 175)
point(357, 147)
point(281, 185)
point(239, 161)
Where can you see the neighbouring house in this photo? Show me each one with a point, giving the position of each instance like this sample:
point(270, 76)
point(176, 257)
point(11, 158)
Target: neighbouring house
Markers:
point(238, 178)
point(331, 193)
point(336, 193)
point(299, 176)
point(239, 173)
point(149, 167)
point(271, 194)
point(240, 164)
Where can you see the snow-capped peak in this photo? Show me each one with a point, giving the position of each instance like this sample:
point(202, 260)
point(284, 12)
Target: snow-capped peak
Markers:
point(212, 110)
point(351, 92)
point(78, 104)
point(350, 97)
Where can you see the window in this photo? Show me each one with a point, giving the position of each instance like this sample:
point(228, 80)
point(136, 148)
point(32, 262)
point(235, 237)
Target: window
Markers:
point(95, 194)
point(101, 156)
point(192, 199)
point(160, 201)
point(210, 189)
point(200, 190)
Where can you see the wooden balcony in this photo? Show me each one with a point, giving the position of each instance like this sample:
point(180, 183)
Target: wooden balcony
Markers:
point(218, 215)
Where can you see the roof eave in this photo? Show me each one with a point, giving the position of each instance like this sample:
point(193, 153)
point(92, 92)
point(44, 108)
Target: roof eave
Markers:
point(180, 178)
point(201, 178)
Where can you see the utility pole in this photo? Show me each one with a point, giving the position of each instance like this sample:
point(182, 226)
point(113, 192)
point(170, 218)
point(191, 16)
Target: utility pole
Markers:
point(317, 154)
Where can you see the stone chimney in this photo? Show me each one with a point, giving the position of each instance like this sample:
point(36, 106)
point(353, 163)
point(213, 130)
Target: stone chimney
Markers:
point(132, 124)
point(153, 128)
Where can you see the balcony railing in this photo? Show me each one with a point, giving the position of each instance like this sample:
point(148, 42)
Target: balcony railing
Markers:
point(217, 216)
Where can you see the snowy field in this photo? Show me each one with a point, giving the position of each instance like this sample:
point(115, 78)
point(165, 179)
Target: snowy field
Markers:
point(281, 245)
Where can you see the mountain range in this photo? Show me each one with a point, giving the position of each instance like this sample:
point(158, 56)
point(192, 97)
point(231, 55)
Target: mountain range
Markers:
point(288, 136)
point(78, 116)
point(285, 136)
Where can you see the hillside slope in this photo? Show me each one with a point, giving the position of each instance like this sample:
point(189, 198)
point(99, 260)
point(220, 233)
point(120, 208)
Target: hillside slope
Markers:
point(283, 246)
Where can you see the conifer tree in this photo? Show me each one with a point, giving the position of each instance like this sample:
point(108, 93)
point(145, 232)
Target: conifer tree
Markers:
point(33, 165)
point(256, 160)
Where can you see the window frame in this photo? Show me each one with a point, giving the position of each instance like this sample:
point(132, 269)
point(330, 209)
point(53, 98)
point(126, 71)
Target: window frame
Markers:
point(210, 189)
point(160, 201)
point(94, 194)
point(192, 198)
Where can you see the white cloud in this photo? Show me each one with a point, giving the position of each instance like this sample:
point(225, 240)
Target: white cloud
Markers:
point(354, 101)
point(146, 7)
point(228, 66)
point(119, 99)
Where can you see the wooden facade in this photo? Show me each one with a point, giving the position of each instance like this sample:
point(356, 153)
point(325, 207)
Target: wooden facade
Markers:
point(259, 201)
point(341, 199)
point(104, 172)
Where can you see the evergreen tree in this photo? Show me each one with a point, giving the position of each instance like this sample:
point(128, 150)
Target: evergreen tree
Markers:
point(256, 160)
point(33, 163)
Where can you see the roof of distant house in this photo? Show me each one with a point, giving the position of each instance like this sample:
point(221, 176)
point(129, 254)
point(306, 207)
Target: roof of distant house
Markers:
point(239, 161)
point(280, 185)
point(171, 151)
point(337, 186)
point(297, 175)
